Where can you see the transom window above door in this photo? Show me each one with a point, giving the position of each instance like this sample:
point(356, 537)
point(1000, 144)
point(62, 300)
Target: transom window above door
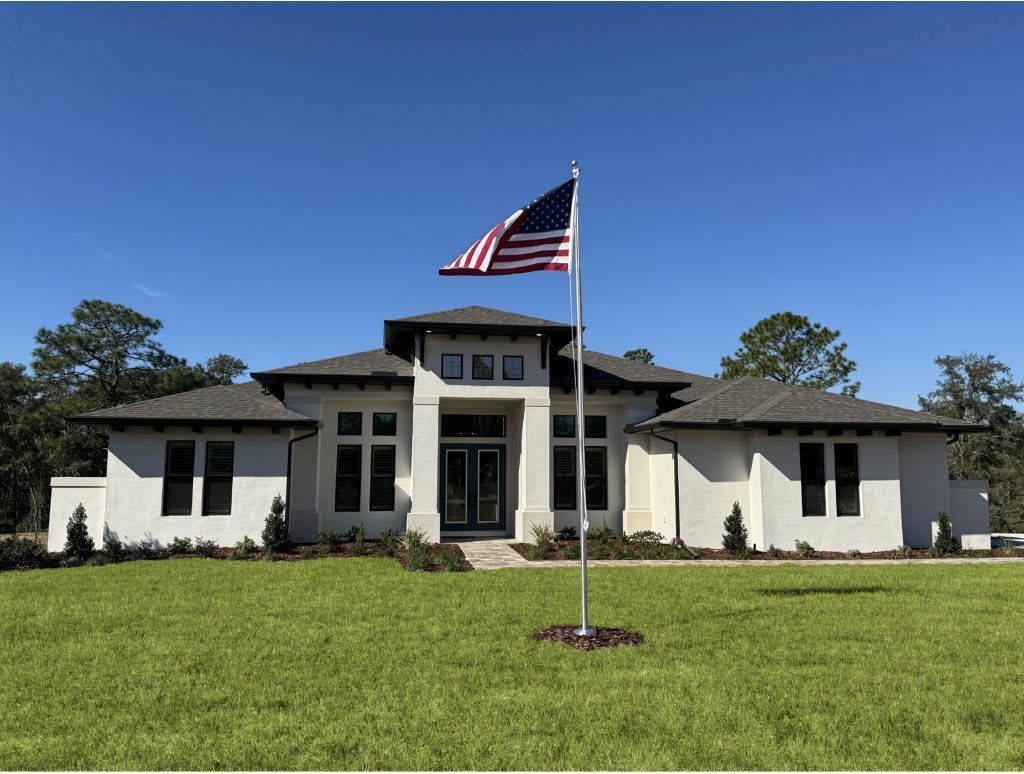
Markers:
point(473, 425)
point(451, 366)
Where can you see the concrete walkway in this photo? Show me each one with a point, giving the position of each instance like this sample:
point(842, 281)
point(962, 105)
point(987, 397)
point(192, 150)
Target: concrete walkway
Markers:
point(499, 555)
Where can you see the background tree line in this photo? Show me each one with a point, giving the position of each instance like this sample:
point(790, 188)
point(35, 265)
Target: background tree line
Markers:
point(105, 356)
point(789, 348)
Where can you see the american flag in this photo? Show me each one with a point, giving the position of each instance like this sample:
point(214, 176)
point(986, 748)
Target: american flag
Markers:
point(534, 238)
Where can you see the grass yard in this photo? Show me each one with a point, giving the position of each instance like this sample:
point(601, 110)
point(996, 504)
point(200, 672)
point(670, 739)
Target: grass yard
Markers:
point(355, 663)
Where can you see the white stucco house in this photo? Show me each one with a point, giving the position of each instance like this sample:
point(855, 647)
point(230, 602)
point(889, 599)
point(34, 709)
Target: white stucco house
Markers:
point(462, 424)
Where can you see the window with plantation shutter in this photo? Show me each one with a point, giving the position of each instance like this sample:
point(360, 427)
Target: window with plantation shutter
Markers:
point(596, 461)
point(346, 485)
point(178, 467)
point(382, 478)
point(812, 478)
point(220, 470)
point(564, 466)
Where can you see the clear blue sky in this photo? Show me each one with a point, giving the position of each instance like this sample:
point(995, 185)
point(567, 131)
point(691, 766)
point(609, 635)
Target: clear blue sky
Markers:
point(272, 181)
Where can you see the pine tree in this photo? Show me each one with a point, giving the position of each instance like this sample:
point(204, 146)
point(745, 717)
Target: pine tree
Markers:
point(275, 531)
point(78, 544)
point(944, 542)
point(735, 538)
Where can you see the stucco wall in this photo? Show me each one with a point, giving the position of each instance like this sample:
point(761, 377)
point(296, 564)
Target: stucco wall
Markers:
point(924, 485)
point(65, 495)
point(969, 513)
point(135, 470)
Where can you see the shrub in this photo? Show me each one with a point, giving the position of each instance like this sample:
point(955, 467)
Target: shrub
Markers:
point(543, 536)
point(18, 553)
point(805, 549)
point(416, 558)
point(331, 538)
point(144, 549)
point(78, 544)
point(308, 552)
point(904, 551)
point(600, 551)
point(601, 534)
point(244, 548)
point(773, 552)
point(449, 561)
point(351, 532)
point(179, 545)
point(275, 530)
point(621, 552)
point(735, 538)
point(204, 547)
point(113, 548)
point(98, 560)
point(571, 551)
point(359, 539)
point(536, 552)
point(853, 553)
point(945, 544)
point(388, 540)
point(567, 533)
point(413, 538)
point(272, 556)
point(647, 536)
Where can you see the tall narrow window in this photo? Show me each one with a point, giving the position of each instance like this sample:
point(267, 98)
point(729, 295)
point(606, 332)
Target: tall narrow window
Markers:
point(564, 466)
point(483, 366)
point(847, 480)
point(220, 470)
point(385, 423)
point(178, 467)
point(812, 478)
point(451, 366)
point(346, 485)
point(350, 423)
point(382, 478)
point(596, 459)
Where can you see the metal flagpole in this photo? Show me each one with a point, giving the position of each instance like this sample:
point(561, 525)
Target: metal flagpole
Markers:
point(585, 630)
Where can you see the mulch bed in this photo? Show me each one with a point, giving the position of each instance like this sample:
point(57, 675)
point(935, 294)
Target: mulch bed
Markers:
point(605, 638)
point(613, 549)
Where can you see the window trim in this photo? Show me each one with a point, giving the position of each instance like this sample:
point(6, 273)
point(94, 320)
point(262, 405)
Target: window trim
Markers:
point(394, 465)
point(373, 424)
point(504, 368)
point(207, 477)
point(856, 486)
point(452, 354)
point(178, 476)
point(357, 476)
point(351, 435)
point(483, 378)
point(823, 481)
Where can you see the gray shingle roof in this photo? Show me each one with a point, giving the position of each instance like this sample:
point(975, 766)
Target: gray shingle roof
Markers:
point(752, 402)
point(480, 315)
point(601, 369)
point(374, 362)
point(245, 403)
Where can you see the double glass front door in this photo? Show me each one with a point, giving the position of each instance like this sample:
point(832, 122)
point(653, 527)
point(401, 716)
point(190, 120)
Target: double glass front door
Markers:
point(472, 487)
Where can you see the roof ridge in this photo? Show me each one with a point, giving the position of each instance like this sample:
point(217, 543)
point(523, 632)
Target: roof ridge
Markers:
point(725, 386)
point(765, 406)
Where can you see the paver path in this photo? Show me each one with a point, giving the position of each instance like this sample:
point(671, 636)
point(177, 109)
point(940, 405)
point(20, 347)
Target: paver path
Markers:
point(499, 555)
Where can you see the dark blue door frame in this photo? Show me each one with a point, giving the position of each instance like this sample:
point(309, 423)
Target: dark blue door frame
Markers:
point(471, 509)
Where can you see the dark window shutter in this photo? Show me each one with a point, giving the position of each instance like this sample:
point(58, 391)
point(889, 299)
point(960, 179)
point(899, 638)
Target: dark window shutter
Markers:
point(564, 466)
point(596, 461)
point(346, 485)
point(382, 478)
point(220, 468)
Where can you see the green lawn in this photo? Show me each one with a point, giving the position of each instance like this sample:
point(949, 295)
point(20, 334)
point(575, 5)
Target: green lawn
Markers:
point(355, 663)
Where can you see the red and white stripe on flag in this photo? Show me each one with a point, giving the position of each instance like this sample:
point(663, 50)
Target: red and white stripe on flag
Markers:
point(535, 238)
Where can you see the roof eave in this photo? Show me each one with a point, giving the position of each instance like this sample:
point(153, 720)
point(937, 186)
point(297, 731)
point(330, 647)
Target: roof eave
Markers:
point(85, 419)
point(277, 378)
point(730, 424)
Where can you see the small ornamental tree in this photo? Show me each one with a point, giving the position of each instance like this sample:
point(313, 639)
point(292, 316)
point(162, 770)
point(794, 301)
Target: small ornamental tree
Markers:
point(78, 544)
point(275, 530)
point(735, 538)
point(945, 543)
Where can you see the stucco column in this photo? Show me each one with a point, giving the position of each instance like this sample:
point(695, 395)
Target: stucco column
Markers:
point(425, 421)
point(637, 515)
point(534, 468)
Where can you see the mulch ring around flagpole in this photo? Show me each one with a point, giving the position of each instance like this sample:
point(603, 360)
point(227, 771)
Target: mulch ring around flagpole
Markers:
point(605, 638)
